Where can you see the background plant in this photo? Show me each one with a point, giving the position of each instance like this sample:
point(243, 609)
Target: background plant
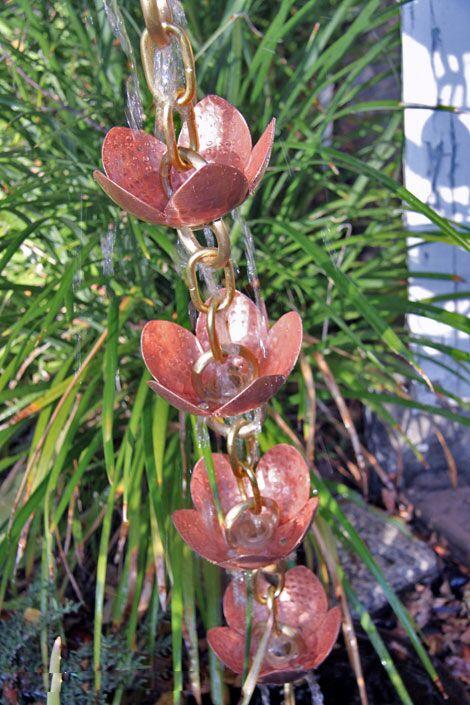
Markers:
point(92, 463)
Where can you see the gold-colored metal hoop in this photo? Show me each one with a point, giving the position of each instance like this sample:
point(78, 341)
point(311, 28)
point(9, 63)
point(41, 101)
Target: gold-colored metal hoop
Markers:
point(247, 505)
point(218, 425)
point(222, 237)
point(186, 95)
point(234, 433)
point(214, 343)
point(240, 350)
point(181, 158)
point(156, 12)
point(147, 56)
point(187, 156)
point(273, 590)
point(258, 500)
point(206, 256)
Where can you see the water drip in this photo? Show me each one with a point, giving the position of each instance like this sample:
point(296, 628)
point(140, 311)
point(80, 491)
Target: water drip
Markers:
point(316, 696)
point(207, 272)
point(252, 271)
point(201, 432)
point(77, 282)
point(135, 111)
point(107, 248)
point(177, 10)
point(168, 71)
point(265, 694)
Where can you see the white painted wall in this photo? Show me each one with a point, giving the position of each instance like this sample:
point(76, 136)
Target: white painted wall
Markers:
point(436, 71)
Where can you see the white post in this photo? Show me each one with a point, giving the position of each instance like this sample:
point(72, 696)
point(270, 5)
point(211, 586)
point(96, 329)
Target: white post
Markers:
point(436, 72)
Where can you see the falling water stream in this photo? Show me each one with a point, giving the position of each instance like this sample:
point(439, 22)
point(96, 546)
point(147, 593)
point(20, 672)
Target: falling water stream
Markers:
point(316, 696)
point(107, 242)
point(252, 272)
point(265, 694)
point(135, 111)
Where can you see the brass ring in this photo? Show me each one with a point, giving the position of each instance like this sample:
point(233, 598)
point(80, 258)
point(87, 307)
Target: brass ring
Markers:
point(274, 589)
point(222, 237)
point(217, 425)
point(214, 342)
point(187, 95)
point(233, 434)
point(207, 357)
point(201, 257)
point(187, 157)
point(258, 500)
point(156, 12)
point(181, 158)
point(249, 504)
point(184, 96)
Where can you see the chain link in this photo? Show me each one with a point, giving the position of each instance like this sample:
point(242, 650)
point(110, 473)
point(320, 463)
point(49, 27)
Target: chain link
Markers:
point(275, 576)
point(156, 12)
point(244, 470)
point(157, 35)
point(207, 255)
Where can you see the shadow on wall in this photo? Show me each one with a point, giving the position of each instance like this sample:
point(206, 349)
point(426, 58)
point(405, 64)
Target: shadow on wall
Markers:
point(436, 72)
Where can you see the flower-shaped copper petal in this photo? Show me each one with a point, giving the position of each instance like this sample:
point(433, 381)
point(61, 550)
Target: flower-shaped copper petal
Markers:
point(170, 352)
point(283, 476)
point(131, 160)
point(302, 606)
point(224, 136)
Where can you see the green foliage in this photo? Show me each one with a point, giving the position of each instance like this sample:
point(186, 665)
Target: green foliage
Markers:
point(92, 456)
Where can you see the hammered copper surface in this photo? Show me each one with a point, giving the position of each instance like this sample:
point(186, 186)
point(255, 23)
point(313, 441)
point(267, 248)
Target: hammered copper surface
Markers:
point(131, 160)
point(302, 605)
point(227, 486)
point(207, 541)
point(206, 195)
point(169, 351)
point(284, 342)
point(127, 201)
point(289, 488)
point(242, 323)
point(224, 136)
point(290, 478)
point(229, 646)
point(260, 156)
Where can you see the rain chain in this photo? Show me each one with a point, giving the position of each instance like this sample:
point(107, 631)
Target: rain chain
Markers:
point(232, 365)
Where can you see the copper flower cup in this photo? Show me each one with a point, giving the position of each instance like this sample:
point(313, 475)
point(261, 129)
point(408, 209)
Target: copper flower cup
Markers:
point(308, 630)
point(233, 168)
point(256, 540)
point(242, 383)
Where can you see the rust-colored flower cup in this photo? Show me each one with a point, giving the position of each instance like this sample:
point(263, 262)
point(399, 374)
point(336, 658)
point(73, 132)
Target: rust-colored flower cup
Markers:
point(231, 168)
point(257, 540)
point(306, 632)
point(244, 381)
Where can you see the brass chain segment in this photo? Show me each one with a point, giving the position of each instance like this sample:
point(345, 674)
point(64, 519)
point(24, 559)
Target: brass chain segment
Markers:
point(218, 425)
point(207, 255)
point(276, 582)
point(222, 237)
point(159, 29)
point(156, 12)
point(243, 470)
